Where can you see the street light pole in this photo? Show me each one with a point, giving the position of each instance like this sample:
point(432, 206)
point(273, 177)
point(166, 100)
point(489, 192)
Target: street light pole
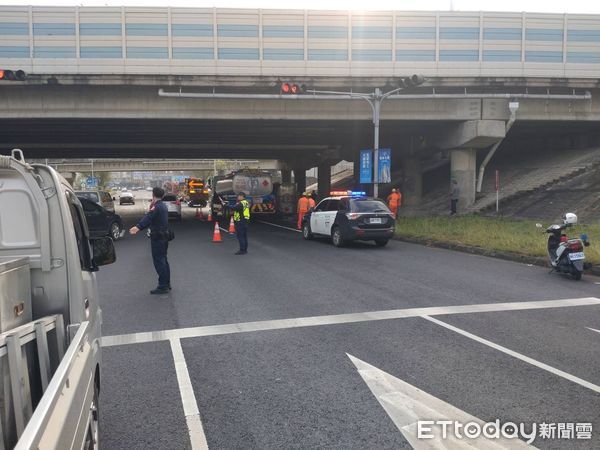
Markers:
point(376, 104)
point(375, 100)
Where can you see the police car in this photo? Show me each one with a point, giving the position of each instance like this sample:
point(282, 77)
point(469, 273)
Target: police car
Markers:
point(350, 216)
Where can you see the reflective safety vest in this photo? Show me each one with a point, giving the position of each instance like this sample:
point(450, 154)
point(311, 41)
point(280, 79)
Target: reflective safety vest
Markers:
point(394, 200)
point(236, 214)
point(303, 205)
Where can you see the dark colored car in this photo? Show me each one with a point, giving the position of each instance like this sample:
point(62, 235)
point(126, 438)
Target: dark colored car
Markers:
point(101, 222)
point(350, 218)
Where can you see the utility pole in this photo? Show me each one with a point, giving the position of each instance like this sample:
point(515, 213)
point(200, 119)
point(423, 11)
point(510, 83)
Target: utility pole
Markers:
point(375, 99)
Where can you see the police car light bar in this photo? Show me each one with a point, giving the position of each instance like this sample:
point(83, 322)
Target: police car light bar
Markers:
point(345, 193)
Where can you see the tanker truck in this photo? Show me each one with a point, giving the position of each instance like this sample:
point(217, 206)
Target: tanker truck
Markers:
point(256, 184)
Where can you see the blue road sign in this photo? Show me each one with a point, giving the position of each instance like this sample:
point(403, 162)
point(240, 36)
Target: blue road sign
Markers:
point(91, 182)
point(384, 166)
point(366, 166)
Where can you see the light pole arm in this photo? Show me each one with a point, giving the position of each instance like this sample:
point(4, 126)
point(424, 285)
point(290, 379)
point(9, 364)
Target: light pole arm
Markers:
point(345, 94)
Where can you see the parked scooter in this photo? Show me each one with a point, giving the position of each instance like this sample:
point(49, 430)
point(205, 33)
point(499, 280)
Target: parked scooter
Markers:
point(566, 255)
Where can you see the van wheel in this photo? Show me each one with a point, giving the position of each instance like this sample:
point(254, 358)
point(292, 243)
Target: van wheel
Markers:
point(115, 231)
point(306, 234)
point(91, 440)
point(337, 238)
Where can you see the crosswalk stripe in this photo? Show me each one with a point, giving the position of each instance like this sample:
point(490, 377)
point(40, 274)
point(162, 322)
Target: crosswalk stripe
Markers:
point(190, 406)
point(368, 316)
point(527, 359)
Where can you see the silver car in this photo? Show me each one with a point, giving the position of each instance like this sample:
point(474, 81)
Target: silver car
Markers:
point(126, 197)
point(173, 205)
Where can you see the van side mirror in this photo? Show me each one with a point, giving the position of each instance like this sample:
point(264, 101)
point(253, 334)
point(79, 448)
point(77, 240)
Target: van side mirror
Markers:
point(103, 251)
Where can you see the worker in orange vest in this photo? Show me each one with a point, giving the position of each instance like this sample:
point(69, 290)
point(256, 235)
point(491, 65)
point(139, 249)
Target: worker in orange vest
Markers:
point(303, 207)
point(394, 201)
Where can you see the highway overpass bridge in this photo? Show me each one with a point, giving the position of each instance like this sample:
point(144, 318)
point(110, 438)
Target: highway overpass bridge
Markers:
point(204, 83)
point(151, 165)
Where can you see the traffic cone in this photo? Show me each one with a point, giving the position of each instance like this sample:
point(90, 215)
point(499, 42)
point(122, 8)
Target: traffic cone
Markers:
point(217, 233)
point(209, 215)
point(231, 227)
point(198, 215)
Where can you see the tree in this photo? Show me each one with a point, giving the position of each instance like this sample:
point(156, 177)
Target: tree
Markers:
point(103, 178)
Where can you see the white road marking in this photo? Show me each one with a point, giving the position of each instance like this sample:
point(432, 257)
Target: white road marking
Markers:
point(245, 327)
point(527, 359)
point(593, 329)
point(407, 404)
point(190, 407)
point(280, 226)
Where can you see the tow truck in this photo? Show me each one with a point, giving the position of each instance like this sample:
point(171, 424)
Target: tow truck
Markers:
point(50, 318)
point(196, 192)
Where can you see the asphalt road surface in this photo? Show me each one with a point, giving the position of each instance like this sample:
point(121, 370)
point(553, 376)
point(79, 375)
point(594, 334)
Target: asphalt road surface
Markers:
point(302, 345)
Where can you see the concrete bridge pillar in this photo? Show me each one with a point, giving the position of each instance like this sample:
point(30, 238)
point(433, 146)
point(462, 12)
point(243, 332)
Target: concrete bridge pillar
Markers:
point(463, 167)
point(69, 176)
point(300, 179)
point(412, 181)
point(286, 176)
point(324, 179)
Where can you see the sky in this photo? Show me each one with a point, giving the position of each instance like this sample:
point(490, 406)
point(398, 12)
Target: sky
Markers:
point(554, 6)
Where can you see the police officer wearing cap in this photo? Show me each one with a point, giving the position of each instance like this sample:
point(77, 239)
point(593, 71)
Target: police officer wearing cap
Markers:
point(157, 218)
point(241, 218)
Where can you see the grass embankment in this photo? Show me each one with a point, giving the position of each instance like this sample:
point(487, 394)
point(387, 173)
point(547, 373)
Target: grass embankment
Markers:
point(496, 234)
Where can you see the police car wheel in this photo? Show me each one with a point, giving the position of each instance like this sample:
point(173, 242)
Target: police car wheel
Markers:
point(306, 234)
point(337, 238)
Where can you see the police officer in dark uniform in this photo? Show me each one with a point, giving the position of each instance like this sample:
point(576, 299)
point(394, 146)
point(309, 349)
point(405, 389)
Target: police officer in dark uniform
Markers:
point(241, 218)
point(157, 218)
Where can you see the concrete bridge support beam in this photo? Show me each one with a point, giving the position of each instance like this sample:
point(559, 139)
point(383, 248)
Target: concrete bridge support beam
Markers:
point(300, 179)
point(412, 181)
point(324, 179)
point(69, 176)
point(463, 169)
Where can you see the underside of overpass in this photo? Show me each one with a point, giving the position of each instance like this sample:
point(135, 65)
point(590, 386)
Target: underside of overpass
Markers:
point(87, 119)
point(237, 139)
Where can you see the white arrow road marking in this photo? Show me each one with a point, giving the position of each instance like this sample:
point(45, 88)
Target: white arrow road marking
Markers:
point(593, 329)
point(407, 404)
